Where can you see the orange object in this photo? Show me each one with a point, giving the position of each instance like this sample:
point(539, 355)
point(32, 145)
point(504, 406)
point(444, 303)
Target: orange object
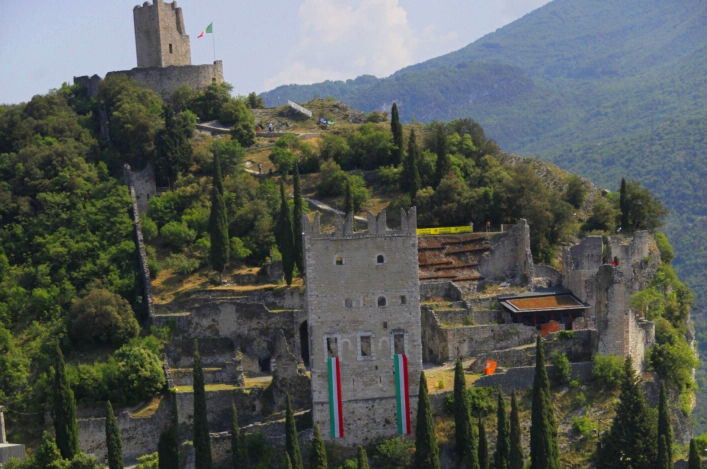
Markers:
point(490, 367)
point(552, 326)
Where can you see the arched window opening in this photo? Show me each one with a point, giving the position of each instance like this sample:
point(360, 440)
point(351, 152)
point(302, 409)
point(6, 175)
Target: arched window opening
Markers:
point(339, 260)
point(380, 259)
point(382, 301)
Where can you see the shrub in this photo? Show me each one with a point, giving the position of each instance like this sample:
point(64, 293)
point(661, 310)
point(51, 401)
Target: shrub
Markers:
point(566, 335)
point(197, 219)
point(103, 317)
point(562, 368)
point(148, 461)
point(377, 116)
point(331, 181)
point(333, 147)
point(178, 235)
point(389, 176)
point(149, 227)
point(608, 370)
point(583, 426)
point(138, 374)
point(244, 125)
point(359, 192)
point(440, 383)
point(238, 250)
point(181, 264)
point(394, 453)
point(154, 267)
point(666, 250)
point(576, 192)
point(260, 452)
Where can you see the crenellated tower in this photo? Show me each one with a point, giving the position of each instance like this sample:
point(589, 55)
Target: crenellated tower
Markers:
point(160, 37)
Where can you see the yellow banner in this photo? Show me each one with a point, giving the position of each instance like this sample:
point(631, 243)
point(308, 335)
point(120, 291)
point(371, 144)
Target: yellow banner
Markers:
point(445, 230)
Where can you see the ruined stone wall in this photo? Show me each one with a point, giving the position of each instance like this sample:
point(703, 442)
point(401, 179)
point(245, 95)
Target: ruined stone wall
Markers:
point(509, 257)
point(249, 403)
point(638, 258)
point(522, 378)
point(165, 80)
point(160, 36)
point(579, 267)
point(145, 186)
point(361, 297)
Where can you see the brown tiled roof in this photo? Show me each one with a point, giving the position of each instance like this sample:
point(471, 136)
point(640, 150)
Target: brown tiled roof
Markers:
point(544, 303)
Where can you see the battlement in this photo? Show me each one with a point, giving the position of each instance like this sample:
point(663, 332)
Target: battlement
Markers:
point(377, 226)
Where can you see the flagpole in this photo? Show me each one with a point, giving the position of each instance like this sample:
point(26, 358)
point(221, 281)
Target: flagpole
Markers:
point(213, 36)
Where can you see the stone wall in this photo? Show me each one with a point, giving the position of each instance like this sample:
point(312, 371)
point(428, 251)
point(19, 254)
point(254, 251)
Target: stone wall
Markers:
point(580, 263)
point(469, 317)
point(145, 186)
point(289, 377)
point(249, 403)
point(354, 295)
point(509, 257)
point(160, 35)
point(522, 378)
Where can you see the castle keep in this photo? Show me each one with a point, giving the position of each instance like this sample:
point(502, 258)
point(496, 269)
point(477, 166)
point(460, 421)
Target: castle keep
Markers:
point(363, 309)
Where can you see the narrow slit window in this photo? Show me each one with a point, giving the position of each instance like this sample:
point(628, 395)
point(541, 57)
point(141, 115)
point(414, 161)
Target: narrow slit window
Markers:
point(382, 302)
point(332, 347)
point(170, 48)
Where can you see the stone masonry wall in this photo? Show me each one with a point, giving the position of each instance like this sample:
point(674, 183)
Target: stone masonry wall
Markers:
point(249, 403)
point(352, 296)
point(522, 378)
point(510, 256)
point(145, 186)
point(160, 36)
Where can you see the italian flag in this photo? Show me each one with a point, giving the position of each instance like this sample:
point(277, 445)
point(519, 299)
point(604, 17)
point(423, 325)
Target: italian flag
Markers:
point(209, 30)
point(402, 394)
point(336, 415)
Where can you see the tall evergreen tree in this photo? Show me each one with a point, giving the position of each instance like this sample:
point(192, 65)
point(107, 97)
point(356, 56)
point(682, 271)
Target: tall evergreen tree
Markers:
point(318, 455)
point(288, 463)
point(291, 442)
point(114, 444)
point(463, 433)
point(410, 175)
point(444, 165)
point(483, 446)
point(202, 442)
point(362, 459)
point(694, 460)
point(544, 451)
point(397, 129)
point(665, 429)
point(239, 451)
point(286, 238)
point(426, 449)
point(174, 151)
point(624, 205)
point(218, 223)
point(168, 448)
point(502, 455)
point(663, 461)
point(517, 458)
point(297, 221)
point(65, 424)
point(632, 439)
point(349, 202)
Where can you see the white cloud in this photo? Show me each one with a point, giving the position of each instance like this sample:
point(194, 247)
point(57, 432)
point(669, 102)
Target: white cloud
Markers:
point(344, 39)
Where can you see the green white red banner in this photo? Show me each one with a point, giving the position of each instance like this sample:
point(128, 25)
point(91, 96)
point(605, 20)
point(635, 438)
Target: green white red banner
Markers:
point(402, 394)
point(336, 415)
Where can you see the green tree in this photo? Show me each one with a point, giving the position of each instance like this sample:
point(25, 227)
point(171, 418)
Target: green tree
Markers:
point(665, 429)
point(218, 223)
point(623, 205)
point(516, 458)
point(640, 209)
point(410, 177)
point(576, 192)
point(483, 446)
point(694, 460)
point(168, 448)
point(114, 444)
point(291, 442)
point(207, 103)
point(318, 458)
point(426, 449)
point(254, 101)
point(362, 459)
point(632, 439)
point(501, 457)
point(397, 129)
point(288, 462)
point(297, 221)
point(349, 202)
point(563, 368)
point(544, 451)
point(444, 165)
point(174, 150)
point(48, 455)
point(202, 441)
point(243, 123)
point(285, 238)
point(239, 450)
point(463, 433)
point(663, 461)
point(102, 317)
point(65, 423)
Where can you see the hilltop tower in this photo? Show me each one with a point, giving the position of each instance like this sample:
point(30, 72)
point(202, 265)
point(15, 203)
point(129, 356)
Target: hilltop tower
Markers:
point(160, 36)
point(363, 309)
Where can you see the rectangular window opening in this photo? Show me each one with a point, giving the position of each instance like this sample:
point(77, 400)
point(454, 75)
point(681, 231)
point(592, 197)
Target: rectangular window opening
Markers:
point(366, 346)
point(399, 343)
point(385, 324)
point(332, 347)
point(170, 48)
point(403, 300)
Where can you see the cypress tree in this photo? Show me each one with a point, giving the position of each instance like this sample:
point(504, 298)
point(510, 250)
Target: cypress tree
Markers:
point(426, 449)
point(665, 429)
point(462, 418)
point(410, 176)
point(663, 461)
point(288, 463)
point(286, 237)
point(349, 202)
point(397, 129)
point(239, 451)
point(623, 205)
point(297, 222)
point(632, 439)
point(202, 442)
point(501, 457)
point(291, 443)
point(362, 458)
point(218, 223)
point(517, 458)
point(65, 423)
point(444, 165)
point(318, 456)
point(544, 452)
point(168, 449)
point(114, 445)
point(174, 151)
point(483, 446)
point(694, 461)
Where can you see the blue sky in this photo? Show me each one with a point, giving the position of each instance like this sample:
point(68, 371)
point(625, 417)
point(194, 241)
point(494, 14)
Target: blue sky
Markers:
point(263, 43)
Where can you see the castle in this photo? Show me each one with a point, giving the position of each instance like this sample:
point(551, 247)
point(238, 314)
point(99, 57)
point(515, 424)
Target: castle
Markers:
point(163, 53)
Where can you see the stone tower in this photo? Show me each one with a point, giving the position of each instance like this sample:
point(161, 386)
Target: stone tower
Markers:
point(363, 305)
point(160, 36)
